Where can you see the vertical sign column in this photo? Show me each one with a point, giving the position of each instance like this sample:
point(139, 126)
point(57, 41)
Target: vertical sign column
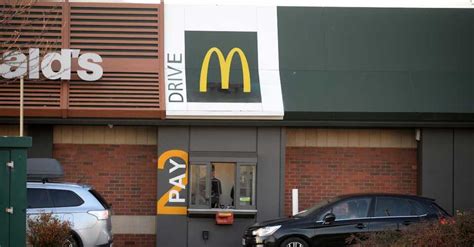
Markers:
point(172, 200)
point(65, 33)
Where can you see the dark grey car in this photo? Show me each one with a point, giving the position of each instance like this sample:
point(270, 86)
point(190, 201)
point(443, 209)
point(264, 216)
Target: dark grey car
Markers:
point(331, 222)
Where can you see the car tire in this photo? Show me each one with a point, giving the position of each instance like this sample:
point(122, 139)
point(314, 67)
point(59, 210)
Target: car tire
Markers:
point(294, 242)
point(72, 241)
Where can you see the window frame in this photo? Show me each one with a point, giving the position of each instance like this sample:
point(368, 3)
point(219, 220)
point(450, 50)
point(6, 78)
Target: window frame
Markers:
point(237, 164)
point(208, 186)
point(237, 187)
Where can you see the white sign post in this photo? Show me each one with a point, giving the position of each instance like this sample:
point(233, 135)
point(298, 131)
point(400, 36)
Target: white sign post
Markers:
point(21, 104)
point(294, 201)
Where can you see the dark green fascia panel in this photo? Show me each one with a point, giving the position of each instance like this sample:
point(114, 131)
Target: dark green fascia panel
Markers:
point(15, 142)
point(376, 63)
point(381, 119)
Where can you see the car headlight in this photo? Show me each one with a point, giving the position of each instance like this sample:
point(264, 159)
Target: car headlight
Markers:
point(266, 231)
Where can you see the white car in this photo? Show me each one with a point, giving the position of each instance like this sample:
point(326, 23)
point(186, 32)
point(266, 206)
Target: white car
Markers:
point(88, 213)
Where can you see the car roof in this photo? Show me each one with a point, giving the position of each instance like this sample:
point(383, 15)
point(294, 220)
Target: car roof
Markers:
point(60, 185)
point(345, 196)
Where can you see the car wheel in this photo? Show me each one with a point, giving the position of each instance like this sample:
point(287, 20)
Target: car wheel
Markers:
point(294, 242)
point(71, 242)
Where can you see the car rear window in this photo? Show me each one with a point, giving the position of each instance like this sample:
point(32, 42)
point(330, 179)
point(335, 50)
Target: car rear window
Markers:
point(100, 199)
point(65, 198)
point(38, 198)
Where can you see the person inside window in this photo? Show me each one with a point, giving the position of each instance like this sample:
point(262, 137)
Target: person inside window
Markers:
point(216, 189)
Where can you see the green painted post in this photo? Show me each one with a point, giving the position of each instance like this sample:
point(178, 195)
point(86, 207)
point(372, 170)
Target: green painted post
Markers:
point(18, 198)
point(13, 150)
point(4, 198)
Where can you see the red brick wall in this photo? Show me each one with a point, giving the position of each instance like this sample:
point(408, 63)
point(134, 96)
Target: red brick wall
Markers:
point(125, 175)
point(139, 240)
point(323, 172)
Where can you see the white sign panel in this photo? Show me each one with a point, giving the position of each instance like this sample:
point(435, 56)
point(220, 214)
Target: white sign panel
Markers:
point(222, 62)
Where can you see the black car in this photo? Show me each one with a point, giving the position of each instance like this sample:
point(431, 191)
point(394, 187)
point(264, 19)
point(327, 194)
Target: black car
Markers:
point(330, 222)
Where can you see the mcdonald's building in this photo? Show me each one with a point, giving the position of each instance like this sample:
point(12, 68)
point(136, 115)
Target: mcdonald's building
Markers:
point(196, 120)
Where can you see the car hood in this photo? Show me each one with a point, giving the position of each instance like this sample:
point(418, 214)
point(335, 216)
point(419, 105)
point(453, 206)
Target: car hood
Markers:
point(280, 221)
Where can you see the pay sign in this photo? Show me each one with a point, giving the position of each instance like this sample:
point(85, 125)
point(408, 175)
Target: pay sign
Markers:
point(175, 163)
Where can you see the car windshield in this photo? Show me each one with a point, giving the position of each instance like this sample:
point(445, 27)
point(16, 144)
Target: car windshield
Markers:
point(316, 207)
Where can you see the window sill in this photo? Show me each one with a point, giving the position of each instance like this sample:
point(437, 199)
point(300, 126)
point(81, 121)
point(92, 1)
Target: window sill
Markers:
point(213, 211)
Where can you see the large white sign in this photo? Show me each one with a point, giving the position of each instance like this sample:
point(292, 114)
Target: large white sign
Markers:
point(222, 62)
point(16, 64)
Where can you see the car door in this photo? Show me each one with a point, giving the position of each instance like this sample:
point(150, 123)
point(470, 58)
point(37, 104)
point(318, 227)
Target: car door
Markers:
point(351, 218)
point(65, 204)
point(56, 202)
point(394, 213)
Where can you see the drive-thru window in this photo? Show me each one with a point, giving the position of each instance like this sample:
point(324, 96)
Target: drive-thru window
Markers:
point(222, 185)
point(233, 180)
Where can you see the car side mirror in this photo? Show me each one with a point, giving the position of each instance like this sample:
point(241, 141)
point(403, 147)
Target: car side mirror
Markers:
point(329, 218)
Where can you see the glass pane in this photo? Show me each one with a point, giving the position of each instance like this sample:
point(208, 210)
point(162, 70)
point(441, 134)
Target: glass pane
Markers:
point(352, 209)
point(198, 185)
point(417, 208)
point(222, 185)
point(38, 198)
point(247, 186)
point(65, 198)
point(392, 206)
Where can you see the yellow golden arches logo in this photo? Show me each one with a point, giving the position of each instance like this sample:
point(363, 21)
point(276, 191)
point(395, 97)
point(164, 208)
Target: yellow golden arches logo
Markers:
point(224, 64)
